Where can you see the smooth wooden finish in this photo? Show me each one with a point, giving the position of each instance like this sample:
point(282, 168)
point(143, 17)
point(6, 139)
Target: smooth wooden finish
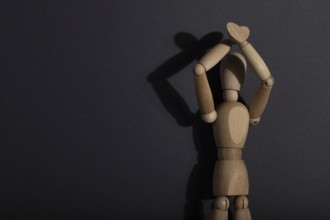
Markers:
point(231, 127)
point(230, 95)
point(199, 70)
point(214, 56)
point(230, 178)
point(232, 72)
point(219, 214)
point(241, 202)
point(220, 211)
point(242, 211)
point(242, 214)
point(256, 62)
point(231, 118)
point(259, 103)
point(205, 98)
point(229, 153)
point(238, 34)
point(209, 118)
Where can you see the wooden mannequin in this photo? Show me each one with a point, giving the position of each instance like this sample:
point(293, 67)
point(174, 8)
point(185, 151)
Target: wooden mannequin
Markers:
point(231, 118)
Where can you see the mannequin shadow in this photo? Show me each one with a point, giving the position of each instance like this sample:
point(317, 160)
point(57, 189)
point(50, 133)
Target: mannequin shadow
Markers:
point(199, 186)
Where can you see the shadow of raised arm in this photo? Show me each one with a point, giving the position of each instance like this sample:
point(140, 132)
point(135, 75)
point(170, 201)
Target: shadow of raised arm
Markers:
point(192, 49)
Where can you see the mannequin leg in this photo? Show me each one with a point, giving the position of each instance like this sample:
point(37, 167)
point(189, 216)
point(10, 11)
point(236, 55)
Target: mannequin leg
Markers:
point(242, 212)
point(220, 208)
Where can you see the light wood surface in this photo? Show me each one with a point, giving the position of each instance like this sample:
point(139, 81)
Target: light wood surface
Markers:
point(259, 102)
point(214, 56)
point(242, 211)
point(238, 34)
point(205, 98)
point(219, 214)
point(242, 214)
point(256, 62)
point(230, 178)
point(230, 95)
point(226, 153)
point(231, 118)
point(232, 72)
point(221, 206)
point(231, 127)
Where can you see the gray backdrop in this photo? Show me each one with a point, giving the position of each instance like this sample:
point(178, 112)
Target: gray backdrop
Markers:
point(99, 118)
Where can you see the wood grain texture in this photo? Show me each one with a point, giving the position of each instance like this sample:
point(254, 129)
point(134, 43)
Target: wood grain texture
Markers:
point(232, 71)
point(242, 214)
point(213, 57)
point(242, 211)
point(256, 62)
point(220, 208)
point(259, 102)
point(219, 214)
point(238, 34)
point(229, 153)
point(204, 98)
point(230, 177)
point(231, 118)
point(232, 124)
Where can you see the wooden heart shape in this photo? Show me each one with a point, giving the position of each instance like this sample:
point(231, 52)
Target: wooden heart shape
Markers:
point(238, 34)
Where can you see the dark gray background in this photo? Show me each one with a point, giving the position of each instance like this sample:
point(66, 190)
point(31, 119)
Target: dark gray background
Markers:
point(99, 118)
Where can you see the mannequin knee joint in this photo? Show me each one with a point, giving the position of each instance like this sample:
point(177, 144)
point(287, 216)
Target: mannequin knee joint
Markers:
point(241, 202)
point(221, 203)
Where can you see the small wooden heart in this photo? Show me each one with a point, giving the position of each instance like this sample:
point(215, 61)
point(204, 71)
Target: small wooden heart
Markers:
point(238, 33)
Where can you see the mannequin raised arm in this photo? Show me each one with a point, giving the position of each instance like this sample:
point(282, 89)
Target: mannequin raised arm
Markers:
point(239, 34)
point(203, 91)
